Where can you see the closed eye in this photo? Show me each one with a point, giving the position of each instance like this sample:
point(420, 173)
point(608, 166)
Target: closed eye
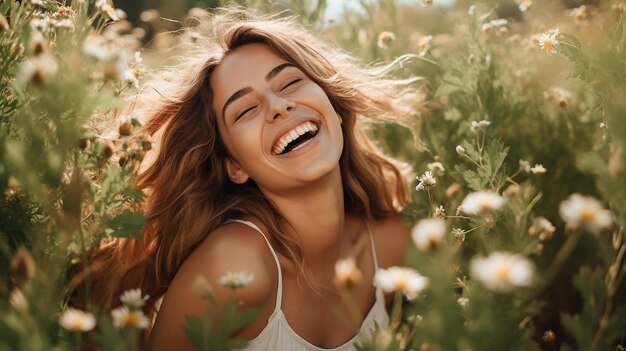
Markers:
point(291, 83)
point(244, 112)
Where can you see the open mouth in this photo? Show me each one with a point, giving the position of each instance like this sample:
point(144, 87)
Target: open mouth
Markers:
point(295, 138)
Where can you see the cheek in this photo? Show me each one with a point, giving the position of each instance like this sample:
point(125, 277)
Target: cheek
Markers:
point(245, 142)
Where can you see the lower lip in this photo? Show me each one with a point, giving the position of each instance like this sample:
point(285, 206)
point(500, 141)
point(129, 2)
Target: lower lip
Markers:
point(302, 148)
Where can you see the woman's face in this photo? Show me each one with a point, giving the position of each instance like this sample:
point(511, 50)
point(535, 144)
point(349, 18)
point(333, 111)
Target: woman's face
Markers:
point(278, 125)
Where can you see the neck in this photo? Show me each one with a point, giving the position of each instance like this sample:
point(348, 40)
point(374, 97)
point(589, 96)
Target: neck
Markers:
point(317, 214)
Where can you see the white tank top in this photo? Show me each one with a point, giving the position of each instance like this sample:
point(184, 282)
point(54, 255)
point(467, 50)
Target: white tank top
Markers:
point(278, 334)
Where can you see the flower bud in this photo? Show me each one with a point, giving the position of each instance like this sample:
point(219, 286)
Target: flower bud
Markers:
point(125, 129)
point(460, 150)
point(453, 190)
point(83, 143)
point(22, 266)
point(549, 336)
point(107, 149)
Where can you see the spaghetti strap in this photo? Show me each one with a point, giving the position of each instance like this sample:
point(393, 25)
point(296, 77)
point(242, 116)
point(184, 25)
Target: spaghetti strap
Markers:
point(369, 231)
point(279, 291)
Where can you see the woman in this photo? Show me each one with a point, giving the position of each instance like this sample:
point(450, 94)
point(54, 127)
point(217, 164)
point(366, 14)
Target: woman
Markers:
point(261, 165)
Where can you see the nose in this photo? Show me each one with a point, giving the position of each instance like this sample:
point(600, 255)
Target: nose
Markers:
point(279, 107)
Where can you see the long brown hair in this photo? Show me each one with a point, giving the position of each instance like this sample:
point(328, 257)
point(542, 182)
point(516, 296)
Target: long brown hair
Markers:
point(188, 191)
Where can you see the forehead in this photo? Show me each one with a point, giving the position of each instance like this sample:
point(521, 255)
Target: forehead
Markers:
point(243, 67)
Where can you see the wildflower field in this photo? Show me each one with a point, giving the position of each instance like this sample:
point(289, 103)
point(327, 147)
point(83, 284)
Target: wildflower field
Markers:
point(519, 200)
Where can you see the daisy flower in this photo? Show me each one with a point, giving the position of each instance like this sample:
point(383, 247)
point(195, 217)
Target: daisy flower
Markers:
point(236, 280)
point(385, 39)
point(403, 279)
point(427, 181)
point(133, 299)
point(38, 69)
point(76, 320)
point(524, 5)
point(585, 212)
point(113, 13)
point(428, 233)
point(549, 42)
point(538, 169)
point(124, 317)
point(347, 275)
point(502, 271)
point(579, 13)
point(481, 201)
point(423, 44)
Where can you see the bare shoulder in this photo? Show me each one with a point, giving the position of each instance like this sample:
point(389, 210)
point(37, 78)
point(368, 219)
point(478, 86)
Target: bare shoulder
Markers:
point(392, 238)
point(230, 248)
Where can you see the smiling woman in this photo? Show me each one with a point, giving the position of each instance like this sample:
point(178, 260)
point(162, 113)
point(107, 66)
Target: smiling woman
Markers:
point(262, 165)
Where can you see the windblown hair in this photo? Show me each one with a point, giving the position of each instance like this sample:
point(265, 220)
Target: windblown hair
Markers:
point(188, 191)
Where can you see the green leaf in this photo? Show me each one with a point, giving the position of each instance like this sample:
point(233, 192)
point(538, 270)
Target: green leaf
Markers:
point(127, 224)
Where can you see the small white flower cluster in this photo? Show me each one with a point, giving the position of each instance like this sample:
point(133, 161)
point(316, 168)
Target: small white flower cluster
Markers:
point(579, 13)
point(498, 24)
point(502, 271)
point(440, 212)
point(542, 229)
point(536, 169)
point(477, 126)
point(406, 280)
point(426, 181)
point(585, 212)
point(133, 299)
point(113, 13)
point(236, 280)
point(130, 314)
point(458, 234)
point(114, 53)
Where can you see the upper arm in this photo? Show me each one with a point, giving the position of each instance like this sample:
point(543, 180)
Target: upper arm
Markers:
point(231, 248)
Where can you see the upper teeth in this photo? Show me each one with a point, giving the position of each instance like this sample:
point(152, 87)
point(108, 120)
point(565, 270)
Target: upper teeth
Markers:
point(292, 135)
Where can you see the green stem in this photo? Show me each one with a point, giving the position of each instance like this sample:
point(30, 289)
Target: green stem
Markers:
point(560, 258)
point(396, 311)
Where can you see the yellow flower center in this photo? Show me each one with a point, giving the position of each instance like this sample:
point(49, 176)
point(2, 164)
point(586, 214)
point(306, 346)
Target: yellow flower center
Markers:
point(587, 215)
point(402, 284)
point(76, 324)
point(484, 205)
point(502, 273)
point(547, 44)
point(131, 319)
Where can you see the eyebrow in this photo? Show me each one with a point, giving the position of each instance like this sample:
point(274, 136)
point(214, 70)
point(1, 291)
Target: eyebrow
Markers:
point(245, 90)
